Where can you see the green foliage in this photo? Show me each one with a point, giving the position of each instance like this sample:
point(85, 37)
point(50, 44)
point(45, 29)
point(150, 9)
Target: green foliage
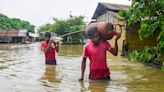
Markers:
point(43, 28)
point(61, 27)
point(149, 54)
point(13, 23)
point(150, 15)
point(162, 67)
point(147, 28)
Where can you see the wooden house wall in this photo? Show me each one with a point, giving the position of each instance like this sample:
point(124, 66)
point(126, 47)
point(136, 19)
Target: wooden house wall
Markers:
point(4, 39)
point(132, 37)
point(107, 17)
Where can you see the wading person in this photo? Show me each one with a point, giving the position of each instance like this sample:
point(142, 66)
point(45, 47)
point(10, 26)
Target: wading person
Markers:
point(49, 47)
point(95, 50)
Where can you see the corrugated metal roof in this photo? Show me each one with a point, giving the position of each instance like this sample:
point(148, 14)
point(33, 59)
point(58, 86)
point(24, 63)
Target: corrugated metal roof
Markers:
point(9, 33)
point(104, 7)
point(115, 6)
point(13, 33)
point(22, 33)
point(33, 35)
point(2, 32)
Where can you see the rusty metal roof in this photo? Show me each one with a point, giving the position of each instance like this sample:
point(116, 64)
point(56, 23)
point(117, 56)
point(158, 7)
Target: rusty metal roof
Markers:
point(13, 33)
point(2, 32)
point(9, 33)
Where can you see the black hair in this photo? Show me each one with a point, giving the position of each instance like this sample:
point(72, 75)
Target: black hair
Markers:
point(92, 31)
point(47, 34)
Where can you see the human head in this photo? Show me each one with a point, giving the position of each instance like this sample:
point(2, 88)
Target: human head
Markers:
point(47, 36)
point(93, 34)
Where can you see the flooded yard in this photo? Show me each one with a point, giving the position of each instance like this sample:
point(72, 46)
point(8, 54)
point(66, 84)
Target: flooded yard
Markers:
point(23, 70)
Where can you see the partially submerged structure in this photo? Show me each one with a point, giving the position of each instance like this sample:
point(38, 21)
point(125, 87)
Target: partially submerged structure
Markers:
point(15, 36)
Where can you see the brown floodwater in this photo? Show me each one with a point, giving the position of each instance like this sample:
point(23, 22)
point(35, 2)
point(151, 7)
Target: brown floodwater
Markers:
point(22, 69)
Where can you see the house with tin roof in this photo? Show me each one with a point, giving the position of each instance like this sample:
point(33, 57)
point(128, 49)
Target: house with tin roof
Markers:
point(109, 12)
point(13, 36)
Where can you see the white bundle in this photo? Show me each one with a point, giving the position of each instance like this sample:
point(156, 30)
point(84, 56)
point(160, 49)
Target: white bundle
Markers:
point(56, 39)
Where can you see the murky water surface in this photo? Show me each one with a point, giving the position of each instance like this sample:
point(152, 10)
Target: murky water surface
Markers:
point(22, 69)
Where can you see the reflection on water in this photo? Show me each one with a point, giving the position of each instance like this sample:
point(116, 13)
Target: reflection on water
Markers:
point(98, 85)
point(22, 69)
point(95, 86)
point(50, 74)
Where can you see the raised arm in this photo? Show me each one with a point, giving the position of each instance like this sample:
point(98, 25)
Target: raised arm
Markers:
point(57, 46)
point(114, 50)
point(49, 45)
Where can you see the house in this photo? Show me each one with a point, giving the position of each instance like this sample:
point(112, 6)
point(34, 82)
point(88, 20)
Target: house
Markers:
point(13, 36)
point(32, 37)
point(108, 12)
point(130, 39)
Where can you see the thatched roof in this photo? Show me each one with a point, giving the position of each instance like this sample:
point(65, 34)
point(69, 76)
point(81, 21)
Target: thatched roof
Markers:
point(104, 7)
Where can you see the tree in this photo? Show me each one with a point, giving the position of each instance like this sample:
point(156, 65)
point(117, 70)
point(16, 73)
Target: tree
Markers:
point(150, 15)
point(14, 23)
point(64, 26)
point(43, 28)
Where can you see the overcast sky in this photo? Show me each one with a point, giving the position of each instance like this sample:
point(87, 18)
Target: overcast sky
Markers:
point(39, 12)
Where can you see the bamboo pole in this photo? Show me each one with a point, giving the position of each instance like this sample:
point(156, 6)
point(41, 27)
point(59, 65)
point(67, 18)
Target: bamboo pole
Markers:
point(71, 33)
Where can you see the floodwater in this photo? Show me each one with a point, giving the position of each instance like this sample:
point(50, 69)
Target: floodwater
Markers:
point(22, 69)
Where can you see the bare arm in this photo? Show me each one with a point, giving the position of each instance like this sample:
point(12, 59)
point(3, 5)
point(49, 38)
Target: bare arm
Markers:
point(114, 50)
point(57, 46)
point(83, 66)
point(49, 45)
